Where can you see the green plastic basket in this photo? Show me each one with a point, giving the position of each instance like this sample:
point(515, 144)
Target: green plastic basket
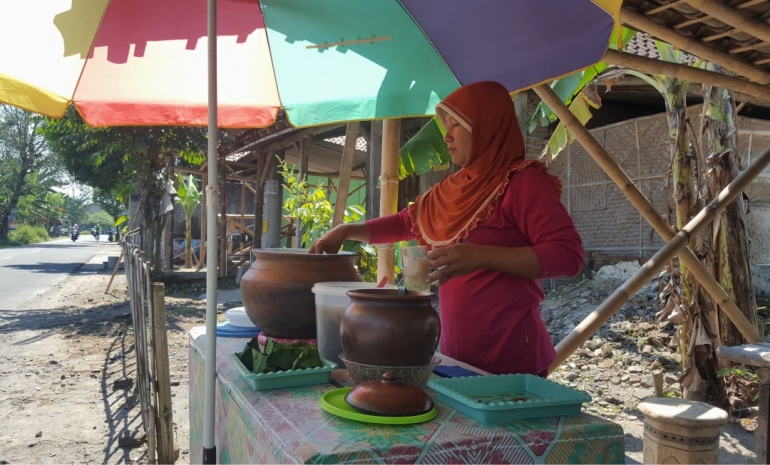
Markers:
point(288, 378)
point(508, 397)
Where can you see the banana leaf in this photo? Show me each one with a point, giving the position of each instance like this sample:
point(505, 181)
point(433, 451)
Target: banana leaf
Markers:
point(424, 152)
point(569, 87)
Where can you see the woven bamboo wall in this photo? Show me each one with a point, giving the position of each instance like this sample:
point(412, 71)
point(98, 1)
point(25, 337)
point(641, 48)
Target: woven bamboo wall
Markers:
point(758, 219)
point(607, 221)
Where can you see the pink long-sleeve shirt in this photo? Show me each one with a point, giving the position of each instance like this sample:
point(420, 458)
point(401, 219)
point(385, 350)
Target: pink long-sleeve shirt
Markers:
point(491, 319)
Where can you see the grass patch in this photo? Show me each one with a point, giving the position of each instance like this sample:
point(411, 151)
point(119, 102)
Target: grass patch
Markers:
point(26, 234)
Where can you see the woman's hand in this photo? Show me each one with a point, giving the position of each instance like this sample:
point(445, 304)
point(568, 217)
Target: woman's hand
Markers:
point(331, 242)
point(454, 260)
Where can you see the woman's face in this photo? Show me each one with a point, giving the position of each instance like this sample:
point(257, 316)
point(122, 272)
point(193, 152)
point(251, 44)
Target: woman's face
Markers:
point(458, 140)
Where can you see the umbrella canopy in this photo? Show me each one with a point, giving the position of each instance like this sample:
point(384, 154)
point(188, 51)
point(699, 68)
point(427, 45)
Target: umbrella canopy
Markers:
point(146, 62)
point(143, 62)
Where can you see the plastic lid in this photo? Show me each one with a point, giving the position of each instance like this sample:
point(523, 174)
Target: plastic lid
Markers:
point(341, 288)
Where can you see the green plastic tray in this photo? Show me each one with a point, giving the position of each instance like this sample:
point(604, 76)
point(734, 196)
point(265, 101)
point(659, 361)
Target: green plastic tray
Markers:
point(508, 397)
point(334, 403)
point(288, 378)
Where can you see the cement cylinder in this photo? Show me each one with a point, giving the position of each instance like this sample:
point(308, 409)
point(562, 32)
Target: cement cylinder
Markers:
point(681, 431)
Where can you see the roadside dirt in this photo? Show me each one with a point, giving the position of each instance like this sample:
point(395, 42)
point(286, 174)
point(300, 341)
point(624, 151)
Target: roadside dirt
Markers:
point(60, 359)
point(68, 369)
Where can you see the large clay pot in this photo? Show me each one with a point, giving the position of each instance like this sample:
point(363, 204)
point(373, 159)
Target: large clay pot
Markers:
point(383, 328)
point(276, 290)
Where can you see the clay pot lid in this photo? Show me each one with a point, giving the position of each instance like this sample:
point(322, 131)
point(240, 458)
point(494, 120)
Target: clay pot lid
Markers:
point(389, 397)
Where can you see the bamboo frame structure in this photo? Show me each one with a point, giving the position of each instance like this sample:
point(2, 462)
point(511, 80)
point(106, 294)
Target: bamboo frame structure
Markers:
point(732, 17)
point(653, 66)
point(644, 207)
point(642, 23)
point(351, 135)
point(650, 269)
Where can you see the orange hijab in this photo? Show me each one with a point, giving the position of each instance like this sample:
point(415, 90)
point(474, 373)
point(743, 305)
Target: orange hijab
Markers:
point(452, 208)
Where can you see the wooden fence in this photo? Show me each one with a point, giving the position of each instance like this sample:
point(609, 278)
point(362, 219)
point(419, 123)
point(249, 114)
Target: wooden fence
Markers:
point(151, 347)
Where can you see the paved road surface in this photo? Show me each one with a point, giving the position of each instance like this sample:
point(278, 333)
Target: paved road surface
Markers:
point(27, 271)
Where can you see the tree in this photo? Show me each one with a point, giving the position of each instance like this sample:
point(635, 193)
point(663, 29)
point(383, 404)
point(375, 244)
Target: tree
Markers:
point(26, 165)
point(101, 218)
point(189, 197)
point(113, 202)
point(44, 208)
point(312, 209)
point(76, 209)
point(112, 158)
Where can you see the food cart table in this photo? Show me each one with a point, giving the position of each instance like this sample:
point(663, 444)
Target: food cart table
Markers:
point(288, 426)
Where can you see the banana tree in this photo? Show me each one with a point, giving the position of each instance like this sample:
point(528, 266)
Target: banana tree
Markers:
point(189, 197)
point(725, 249)
point(684, 299)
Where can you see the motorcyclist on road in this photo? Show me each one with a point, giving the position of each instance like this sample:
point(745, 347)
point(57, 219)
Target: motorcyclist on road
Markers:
point(75, 233)
point(97, 231)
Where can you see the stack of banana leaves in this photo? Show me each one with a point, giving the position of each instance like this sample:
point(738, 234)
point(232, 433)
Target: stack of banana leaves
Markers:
point(279, 356)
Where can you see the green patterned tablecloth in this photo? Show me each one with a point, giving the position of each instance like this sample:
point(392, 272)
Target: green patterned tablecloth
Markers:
point(288, 426)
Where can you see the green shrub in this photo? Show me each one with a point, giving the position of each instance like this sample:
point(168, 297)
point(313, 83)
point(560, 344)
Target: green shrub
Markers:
point(26, 234)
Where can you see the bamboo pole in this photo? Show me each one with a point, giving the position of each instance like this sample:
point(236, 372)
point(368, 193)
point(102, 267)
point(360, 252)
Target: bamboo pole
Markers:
point(644, 206)
point(259, 201)
point(163, 381)
point(209, 399)
point(204, 210)
point(391, 138)
point(653, 66)
point(346, 165)
point(664, 7)
point(222, 224)
point(304, 160)
point(373, 170)
point(168, 230)
point(130, 227)
point(652, 267)
point(734, 18)
point(229, 177)
point(642, 23)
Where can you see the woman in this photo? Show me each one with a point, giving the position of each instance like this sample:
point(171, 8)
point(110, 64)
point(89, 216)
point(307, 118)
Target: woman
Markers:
point(494, 228)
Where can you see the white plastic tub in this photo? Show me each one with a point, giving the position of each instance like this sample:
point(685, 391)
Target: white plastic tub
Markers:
point(330, 303)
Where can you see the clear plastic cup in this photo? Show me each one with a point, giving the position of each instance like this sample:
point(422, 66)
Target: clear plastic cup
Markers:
point(416, 268)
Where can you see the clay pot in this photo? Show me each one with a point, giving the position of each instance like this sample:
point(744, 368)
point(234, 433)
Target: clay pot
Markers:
point(276, 290)
point(389, 397)
point(383, 328)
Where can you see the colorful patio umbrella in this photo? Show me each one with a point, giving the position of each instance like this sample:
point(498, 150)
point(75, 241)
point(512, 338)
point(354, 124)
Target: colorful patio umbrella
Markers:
point(143, 62)
point(149, 62)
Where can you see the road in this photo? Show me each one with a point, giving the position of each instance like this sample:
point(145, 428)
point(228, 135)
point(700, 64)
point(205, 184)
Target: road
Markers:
point(25, 272)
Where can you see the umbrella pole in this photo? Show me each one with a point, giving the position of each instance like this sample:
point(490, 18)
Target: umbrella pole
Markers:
point(212, 194)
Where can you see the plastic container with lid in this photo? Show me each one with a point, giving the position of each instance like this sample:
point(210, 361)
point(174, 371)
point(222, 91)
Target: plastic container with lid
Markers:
point(330, 303)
